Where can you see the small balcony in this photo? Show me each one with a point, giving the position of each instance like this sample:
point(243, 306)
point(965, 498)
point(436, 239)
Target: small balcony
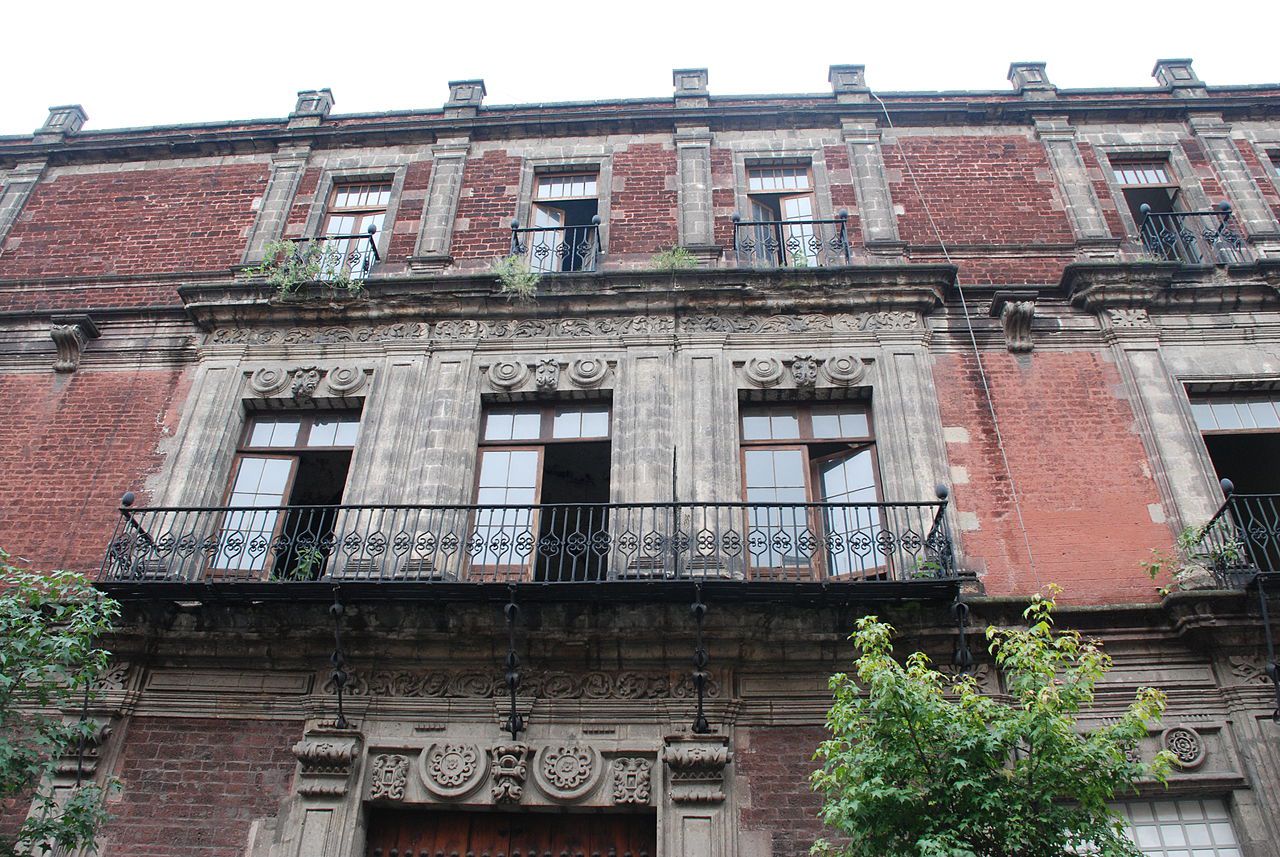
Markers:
point(339, 257)
point(1193, 237)
point(791, 243)
point(558, 249)
point(600, 544)
point(1242, 540)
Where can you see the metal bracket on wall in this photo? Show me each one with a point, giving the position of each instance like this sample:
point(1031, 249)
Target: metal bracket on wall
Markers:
point(515, 723)
point(338, 659)
point(700, 660)
point(963, 658)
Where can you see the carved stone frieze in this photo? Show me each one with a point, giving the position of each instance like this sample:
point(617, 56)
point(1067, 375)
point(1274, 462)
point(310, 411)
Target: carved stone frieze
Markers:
point(1186, 745)
point(389, 778)
point(467, 684)
point(453, 770)
point(510, 768)
point(804, 372)
point(305, 381)
point(326, 758)
point(546, 376)
point(345, 380)
point(70, 334)
point(116, 677)
point(566, 771)
point(631, 780)
point(451, 330)
point(1129, 318)
point(268, 380)
point(763, 371)
point(1248, 669)
point(696, 767)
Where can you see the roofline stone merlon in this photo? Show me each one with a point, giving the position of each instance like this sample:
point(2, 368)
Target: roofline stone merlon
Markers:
point(914, 107)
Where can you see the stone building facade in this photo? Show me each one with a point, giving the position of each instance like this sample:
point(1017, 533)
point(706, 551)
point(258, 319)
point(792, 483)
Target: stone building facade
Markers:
point(411, 566)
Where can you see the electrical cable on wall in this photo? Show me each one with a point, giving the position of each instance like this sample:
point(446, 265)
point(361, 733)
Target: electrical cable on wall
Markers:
point(973, 341)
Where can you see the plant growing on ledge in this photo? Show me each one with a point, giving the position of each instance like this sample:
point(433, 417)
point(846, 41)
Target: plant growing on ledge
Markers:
point(674, 258)
point(49, 663)
point(921, 765)
point(516, 279)
point(290, 265)
point(1193, 564)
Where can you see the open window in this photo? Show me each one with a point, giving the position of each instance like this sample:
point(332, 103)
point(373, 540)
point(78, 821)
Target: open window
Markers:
point(1242, 435)
point(810, 477)
point(353, 218)
point(564, 228)
point(782, 212)
point(287, 482)
point(543, 492)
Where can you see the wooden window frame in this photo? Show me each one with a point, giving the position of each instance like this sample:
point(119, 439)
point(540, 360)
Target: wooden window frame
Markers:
point(331, 208)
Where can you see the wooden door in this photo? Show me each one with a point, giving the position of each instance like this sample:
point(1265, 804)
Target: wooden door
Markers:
point(529, 834)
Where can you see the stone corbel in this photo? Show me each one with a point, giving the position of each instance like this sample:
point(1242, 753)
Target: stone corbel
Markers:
point(1015, 309)
point(326, 758)
point(695, 767)
point(70, 334)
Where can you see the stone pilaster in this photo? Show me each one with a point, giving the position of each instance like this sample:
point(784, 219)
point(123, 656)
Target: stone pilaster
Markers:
point(15, 190)
point(693, 172)
point(1247, 202)
point(698, 808)
point(1081, 202)
point(287, 166)
point(449, 162)
point(875, 202)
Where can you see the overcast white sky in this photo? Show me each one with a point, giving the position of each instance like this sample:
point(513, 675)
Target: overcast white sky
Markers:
point(136, 63)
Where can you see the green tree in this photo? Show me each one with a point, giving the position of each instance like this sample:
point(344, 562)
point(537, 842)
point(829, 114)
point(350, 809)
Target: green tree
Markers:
point(920, 765)
point(49, 660)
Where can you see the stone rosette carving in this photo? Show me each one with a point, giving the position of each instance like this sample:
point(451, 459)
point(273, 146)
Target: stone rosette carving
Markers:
point(268, 380)
point(305, 381)
point(763, 371)
point(508, 374)
point(389, 778)
point(452, 770)
point(631, 780)
point(1186, 745)
point(546, 375)
point(345, 380)
point(510, 768)
point(1129, 318)
point(566, 771)
point(543, 684)
point(695, 766)
point(326, 759)
point(843, 370)
point(804, 371)
point(588, 372)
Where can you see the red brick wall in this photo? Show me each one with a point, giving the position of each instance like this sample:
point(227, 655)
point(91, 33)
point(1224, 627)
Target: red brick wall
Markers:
point(979, 269)
point(1103, 190)
point(775, 763)
point(413, 199)
point(135, 222)
point(302, 199)
point(70, 446)
point(1081, 471)
point(981, 190)
point(1263, 173)
point(643, 214)
point(12, 813)
point(490, 185)
point(1204, 170)
point(843, 193)
point(724, 201)
point(193, 786)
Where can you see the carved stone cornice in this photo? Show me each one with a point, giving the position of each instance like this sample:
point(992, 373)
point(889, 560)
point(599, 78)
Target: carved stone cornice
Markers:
point(405, 298)
point(1098, 286)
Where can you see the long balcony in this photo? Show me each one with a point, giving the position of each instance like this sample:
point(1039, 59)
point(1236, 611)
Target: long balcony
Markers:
point(791, 243)
point(602, 544)
point(338, 257)
point(558, 249)
point(1193, 237)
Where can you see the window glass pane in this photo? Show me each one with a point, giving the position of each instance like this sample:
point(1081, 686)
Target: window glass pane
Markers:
point(1264, 414)
point(595, 422)
point(759, 468)
point(493, 468)
point(498, 426)
point(840, 421)
point(1203, 414)
point(523, 472)
point(784, 426)
point(527, 425)
point(1225, 414)
point(275, 431)
point(348, 431)
point(755, 426)
point(568, 423)
point(826, 424)
point(323, 432)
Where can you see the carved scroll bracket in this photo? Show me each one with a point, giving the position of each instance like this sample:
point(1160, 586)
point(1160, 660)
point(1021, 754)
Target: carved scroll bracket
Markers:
point(695, 766)
point(326, 758)
point(70, 334)
point(1015, 309)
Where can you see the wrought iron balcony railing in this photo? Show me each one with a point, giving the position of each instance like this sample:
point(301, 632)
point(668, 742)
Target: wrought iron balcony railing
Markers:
point(1192, 237)
point(545, 543)
point(339, 256)
point(1242, 539)
point(558, 249)
point(791, 243)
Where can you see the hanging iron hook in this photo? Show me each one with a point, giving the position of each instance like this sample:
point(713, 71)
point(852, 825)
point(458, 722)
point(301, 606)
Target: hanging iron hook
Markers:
point(700, 660)
point(338, 658)
point(514, 723)
point(963, 657)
